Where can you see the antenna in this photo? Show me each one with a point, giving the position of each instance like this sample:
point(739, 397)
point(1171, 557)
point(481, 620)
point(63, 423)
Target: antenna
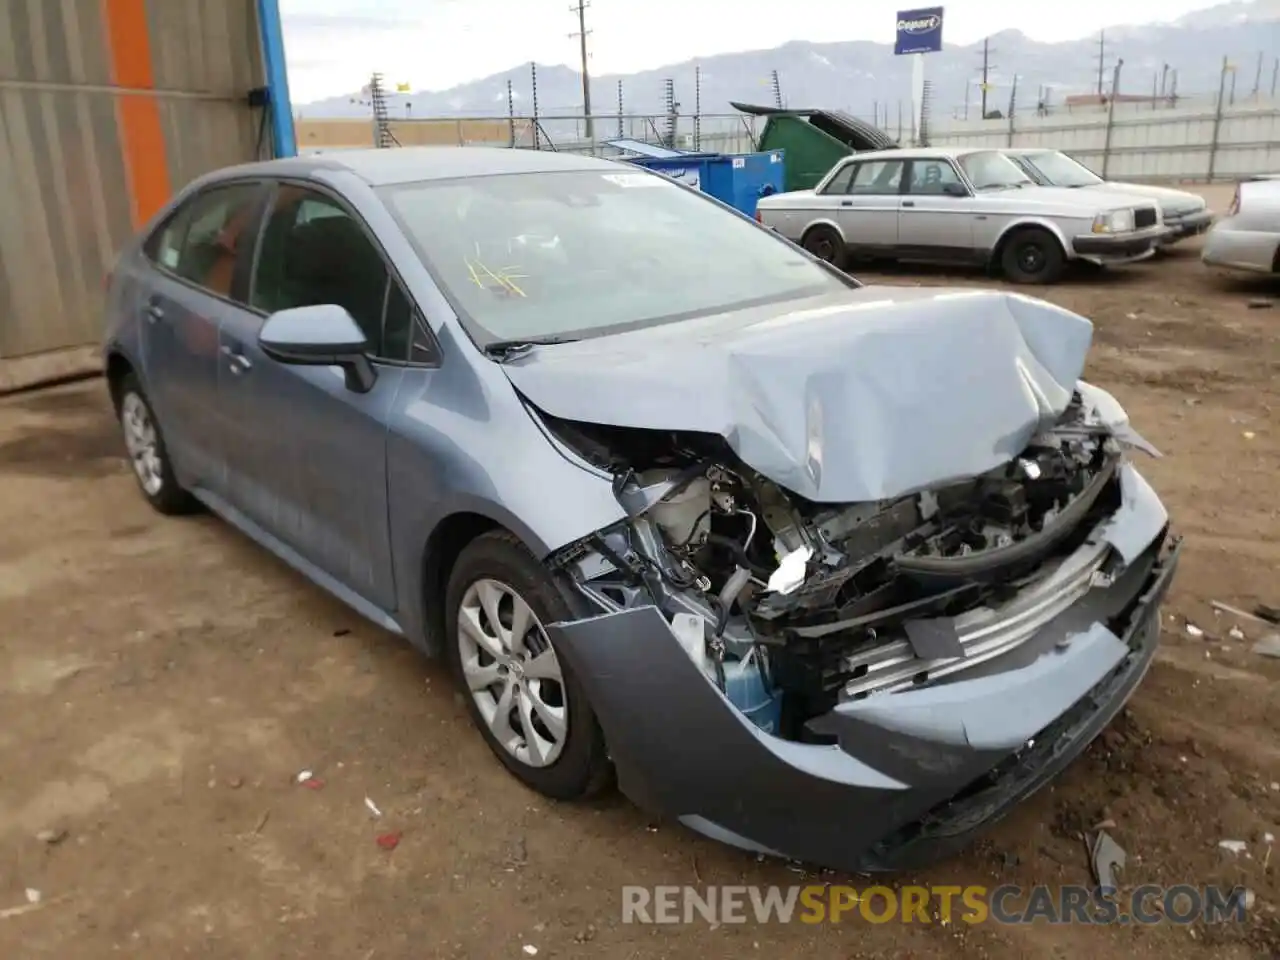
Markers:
point(580, 8)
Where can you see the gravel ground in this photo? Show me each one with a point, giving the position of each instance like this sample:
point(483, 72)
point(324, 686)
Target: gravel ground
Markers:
point(163, 681)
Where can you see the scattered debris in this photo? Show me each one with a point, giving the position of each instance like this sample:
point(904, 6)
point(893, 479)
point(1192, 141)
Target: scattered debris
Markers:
point(1235, 633)
point(235, 783)
point(341, 632)
point(1233, 846)
point(388, 841)
point(1010, 859)
point(1236, 611)
point(262, 821)
point(518, 856)
point(52, 837)
point(314, 783)
point(1268, 646)
point(373, 807)
point(1107, 856)
point(1275, 786)
point(1193, 630)
point(586, 935)
point(1107, 824)
point(530, 950)
point(1260, 303)
point(1249, 898)
point(1269, 614)
point(33, 895)
point(1248, 434)
point(304, 776)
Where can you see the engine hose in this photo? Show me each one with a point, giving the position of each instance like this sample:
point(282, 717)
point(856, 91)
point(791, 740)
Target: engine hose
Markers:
point(739, 554)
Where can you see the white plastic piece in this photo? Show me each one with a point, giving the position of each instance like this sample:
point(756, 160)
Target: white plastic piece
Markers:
point(1235, 846)
point(690, 630)
point(791, 571)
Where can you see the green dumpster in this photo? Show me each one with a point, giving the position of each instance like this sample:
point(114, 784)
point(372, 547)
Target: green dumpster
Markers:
point(814, 140)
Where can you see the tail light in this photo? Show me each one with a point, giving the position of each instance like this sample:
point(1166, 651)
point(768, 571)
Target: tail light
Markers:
point(759, 218)
point(1235, 203)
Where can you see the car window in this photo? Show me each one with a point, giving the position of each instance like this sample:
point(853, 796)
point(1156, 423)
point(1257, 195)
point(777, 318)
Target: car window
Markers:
point(840, 182)
point(929, 177)
point(404, 334)
point(593, 251)
point(202, 241)
point(876, 177)
point(314, 252)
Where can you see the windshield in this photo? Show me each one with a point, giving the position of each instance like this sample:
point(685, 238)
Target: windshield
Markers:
point(988, 170)
point(1059, 170)
point(566, 255)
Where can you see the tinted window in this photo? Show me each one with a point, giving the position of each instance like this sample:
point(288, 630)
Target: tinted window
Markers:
point(840, 182)
point(931, 176)
point(876, 177)
point(588, 252)
point(404, 333)
point(314, 252)
point(202, 241)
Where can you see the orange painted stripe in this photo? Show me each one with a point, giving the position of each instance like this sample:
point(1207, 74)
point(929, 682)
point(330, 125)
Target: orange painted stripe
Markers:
point(146, 161)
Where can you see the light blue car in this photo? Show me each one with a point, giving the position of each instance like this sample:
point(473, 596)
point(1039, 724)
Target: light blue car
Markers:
point(824, 570)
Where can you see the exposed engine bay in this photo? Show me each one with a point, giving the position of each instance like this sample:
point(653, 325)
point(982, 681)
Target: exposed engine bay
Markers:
point(791, 606)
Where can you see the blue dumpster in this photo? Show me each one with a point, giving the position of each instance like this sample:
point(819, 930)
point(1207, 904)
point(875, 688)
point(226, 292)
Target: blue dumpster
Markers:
point(736, 179)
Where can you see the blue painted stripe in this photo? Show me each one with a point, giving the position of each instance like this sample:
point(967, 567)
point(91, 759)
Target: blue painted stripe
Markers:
point(283, 137)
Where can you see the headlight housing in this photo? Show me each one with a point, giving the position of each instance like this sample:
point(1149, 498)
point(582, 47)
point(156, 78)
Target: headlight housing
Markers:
point(1113, 221)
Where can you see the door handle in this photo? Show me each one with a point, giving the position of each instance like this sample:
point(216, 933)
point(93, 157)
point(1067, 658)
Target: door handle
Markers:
point(153, 312)
point(908, 203)
point(238, 362)
point(846, 203)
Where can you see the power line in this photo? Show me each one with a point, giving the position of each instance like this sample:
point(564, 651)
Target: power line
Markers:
point(580, 8)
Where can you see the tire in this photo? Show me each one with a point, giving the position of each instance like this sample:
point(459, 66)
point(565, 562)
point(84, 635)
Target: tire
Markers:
point(825, 243)
point(148, 456)
point(570, 767)
point(1033, 255)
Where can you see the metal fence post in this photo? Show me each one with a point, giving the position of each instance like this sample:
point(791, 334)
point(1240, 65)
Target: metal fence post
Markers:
point(1013, 106)
point(1111, 118)
point(1217, 123)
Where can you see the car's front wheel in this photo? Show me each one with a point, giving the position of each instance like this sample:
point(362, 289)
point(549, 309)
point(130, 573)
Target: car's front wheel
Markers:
point(528, 705)
point(147, 452)
point(825, 243)
point(1033, 255)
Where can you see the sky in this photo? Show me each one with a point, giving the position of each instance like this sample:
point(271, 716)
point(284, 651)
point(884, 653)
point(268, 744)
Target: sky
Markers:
point(333, 45)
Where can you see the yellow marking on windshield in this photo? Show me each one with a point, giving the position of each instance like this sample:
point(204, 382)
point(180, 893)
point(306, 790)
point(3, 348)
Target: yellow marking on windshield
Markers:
point(504, 278)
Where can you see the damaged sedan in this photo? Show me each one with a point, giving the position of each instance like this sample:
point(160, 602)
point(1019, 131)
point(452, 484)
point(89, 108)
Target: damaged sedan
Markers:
point(822, 570)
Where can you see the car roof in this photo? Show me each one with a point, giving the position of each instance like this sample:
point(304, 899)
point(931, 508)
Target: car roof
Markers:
point(920, 153)
point(383, 167)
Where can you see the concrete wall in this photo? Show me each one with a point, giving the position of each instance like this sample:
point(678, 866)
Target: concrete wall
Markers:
point(106, 108)
point(1190, 143)
point(318, 134)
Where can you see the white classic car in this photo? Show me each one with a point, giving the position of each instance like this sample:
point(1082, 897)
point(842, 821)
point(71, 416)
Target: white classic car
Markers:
point(1185, 214)
point(962, 206)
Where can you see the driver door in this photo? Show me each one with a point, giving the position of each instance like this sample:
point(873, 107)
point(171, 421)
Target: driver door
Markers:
point(868, 212)
point(310, 461)
point(938, 214)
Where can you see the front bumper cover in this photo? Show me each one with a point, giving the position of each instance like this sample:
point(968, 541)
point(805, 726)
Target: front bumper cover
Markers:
point(1190, 225)
point(912, 776)
point(1126, 246)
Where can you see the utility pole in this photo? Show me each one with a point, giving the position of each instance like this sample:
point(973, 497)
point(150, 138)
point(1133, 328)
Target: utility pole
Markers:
point(580, 8)
point(1102, 59)
point(987, 67)
point(1257, 77)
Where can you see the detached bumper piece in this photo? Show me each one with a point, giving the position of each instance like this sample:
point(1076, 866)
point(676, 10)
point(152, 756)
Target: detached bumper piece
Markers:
point(903, 777)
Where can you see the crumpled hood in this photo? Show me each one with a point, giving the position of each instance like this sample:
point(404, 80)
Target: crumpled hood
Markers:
point(861, 396)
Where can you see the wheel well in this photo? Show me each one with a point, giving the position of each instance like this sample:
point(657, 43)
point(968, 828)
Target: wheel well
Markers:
point(1012, 232)
point(446, 543)
point(117, 369)
point(818, 226)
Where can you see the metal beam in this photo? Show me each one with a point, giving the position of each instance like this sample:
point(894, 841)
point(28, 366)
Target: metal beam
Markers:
point(283, 136)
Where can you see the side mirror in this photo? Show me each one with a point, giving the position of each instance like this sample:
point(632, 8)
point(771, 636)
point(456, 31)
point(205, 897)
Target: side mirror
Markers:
point(325, 335)
point(955, 190)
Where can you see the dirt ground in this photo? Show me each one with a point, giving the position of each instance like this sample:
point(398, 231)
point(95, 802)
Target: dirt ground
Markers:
point(162, 683)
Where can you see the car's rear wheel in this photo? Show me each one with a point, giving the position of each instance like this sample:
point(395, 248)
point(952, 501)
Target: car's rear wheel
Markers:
point(527, 704)
point(825, 243)
point(1033, 255)
point(147, 452)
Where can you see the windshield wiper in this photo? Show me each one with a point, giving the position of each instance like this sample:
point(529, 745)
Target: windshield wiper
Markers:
point(504, 350)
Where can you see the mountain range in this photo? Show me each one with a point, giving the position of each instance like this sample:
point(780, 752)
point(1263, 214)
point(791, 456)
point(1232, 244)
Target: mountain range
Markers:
point(867, 80)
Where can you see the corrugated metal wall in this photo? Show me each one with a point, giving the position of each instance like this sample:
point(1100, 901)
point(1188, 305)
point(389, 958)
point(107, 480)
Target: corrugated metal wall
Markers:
point(106, 108)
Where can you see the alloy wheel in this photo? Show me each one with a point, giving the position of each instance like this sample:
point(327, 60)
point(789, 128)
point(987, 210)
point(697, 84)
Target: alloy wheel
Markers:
point(512, 672)
point(142, 443)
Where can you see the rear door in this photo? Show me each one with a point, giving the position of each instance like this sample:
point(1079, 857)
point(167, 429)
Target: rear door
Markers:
point(200, 272)
point(868, 212)
point(933, 223)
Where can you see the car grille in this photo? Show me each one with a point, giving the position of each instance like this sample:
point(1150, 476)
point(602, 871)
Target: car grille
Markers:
point(984, 633)
point(1144, 217)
